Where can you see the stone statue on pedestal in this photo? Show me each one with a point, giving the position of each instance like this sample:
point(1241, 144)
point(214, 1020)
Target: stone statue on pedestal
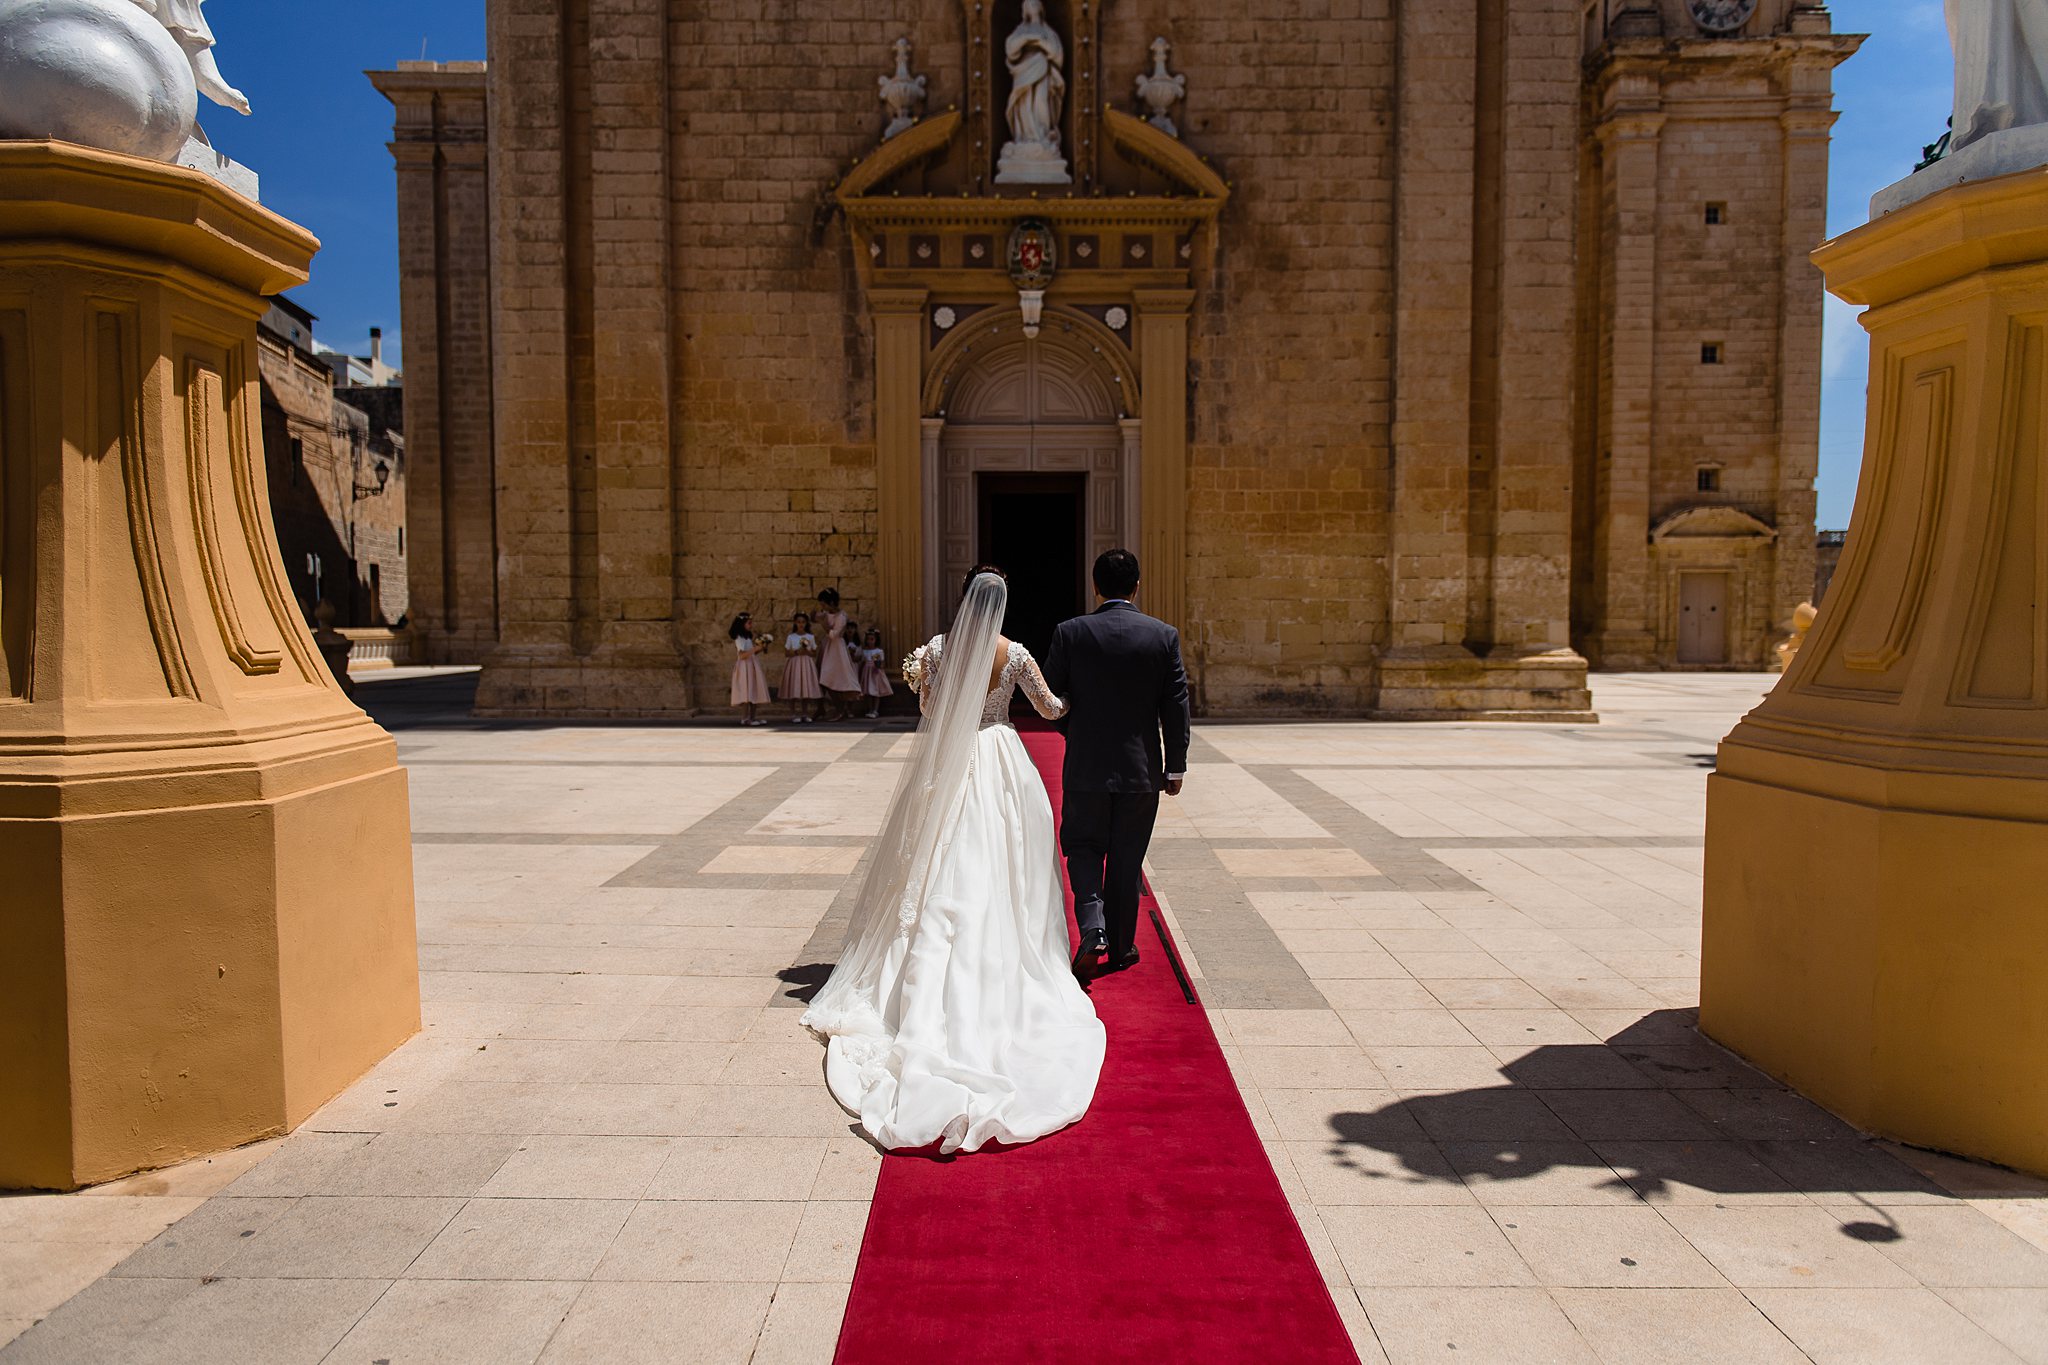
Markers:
point(185, 21)
point(120, 75)
point(2001, 66)
point(1038, 91)
point(2001, 111)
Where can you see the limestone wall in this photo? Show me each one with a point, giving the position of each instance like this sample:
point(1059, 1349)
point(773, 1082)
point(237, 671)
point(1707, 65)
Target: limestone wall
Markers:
point(1398, 353)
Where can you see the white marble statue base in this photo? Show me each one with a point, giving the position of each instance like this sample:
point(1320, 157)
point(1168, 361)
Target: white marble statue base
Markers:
point(201, 157)
point(2015, 149)
point(1031, 164)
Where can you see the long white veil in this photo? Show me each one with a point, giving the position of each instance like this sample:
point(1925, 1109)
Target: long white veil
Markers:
point(928, 798)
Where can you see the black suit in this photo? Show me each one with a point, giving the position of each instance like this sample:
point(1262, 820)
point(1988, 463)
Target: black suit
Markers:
point(1121, 674)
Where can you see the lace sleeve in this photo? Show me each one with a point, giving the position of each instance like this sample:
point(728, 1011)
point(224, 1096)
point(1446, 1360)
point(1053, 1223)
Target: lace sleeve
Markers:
point(921, 671)
point(1033, 682)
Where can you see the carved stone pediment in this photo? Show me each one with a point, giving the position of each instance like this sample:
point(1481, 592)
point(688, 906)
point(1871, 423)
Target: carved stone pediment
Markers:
point(912, 227)
point(912, 167)
point(1711, 523)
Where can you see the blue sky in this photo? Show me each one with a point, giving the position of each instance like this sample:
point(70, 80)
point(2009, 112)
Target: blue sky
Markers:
point(1894, 97)
point(318, 137)
point(319, 133)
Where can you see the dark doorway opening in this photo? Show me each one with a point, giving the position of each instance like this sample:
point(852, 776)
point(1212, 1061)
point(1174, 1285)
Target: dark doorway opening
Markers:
point(1033, 528)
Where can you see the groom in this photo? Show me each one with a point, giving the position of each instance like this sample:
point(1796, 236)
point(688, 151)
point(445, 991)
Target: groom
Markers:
point(1121, 674)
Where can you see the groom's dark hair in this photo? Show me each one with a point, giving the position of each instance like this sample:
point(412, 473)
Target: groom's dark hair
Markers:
point(1116, 573)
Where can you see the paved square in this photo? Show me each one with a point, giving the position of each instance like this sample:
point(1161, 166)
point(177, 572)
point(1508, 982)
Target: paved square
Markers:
point(1453, 968)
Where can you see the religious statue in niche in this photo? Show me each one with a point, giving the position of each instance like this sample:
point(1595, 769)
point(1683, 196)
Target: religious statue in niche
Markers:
point(1038, 90)
point(2001, 51)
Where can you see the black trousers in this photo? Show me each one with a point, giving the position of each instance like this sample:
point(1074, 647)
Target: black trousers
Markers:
point(1104, 835)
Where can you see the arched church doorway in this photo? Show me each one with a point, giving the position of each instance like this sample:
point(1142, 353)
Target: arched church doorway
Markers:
point(1035, 527)
point(1033, 464)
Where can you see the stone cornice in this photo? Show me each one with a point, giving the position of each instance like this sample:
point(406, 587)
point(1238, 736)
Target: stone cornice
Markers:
point(1958, 232)
point(1660, 55)
point(82, 198)
point(911, 211)
point(452, 78)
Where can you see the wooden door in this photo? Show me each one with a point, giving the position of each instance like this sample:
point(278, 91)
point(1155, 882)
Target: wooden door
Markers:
point(1703, 618)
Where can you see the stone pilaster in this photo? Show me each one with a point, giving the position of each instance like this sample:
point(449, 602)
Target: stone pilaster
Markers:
point(439, 144)
point(1433, 204)
point(587, 512)
point(529, 323)
point(1532, 417)
point(1806, 123)
point(899, 462)
point(1163, 436)
point(1481, 516)
point(1629, 131)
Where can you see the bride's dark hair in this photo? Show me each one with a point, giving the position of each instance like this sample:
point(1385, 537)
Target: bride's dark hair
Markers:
point(976, 572)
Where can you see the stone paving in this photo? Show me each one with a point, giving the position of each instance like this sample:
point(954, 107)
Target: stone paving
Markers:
point(1452, 967)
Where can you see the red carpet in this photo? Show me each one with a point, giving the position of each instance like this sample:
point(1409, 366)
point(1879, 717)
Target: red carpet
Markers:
point(1153, 1230)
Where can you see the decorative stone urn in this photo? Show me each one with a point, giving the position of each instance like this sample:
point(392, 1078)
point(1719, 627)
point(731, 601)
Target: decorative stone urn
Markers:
point(101, 73)
point(1159, 90)
point(903, 94)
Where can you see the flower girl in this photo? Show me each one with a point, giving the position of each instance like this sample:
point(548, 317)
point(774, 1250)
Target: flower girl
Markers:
point(837, 673)
point(800, 670)
point(749, 683)
point(874, 674)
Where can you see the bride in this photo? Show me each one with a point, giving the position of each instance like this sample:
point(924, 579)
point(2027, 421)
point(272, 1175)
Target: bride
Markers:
point(953, 1016)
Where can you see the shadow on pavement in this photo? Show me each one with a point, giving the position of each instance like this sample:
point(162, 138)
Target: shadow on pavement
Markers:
point(1657, 1109)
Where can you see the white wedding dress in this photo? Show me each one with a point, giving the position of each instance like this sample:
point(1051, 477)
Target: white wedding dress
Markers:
point(956, 1019)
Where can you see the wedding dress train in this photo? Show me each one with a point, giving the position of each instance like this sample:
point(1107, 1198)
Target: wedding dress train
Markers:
point(956, 1019)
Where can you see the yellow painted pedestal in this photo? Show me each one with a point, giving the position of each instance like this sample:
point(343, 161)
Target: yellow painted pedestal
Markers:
point(1877, 832)
point(206, 916)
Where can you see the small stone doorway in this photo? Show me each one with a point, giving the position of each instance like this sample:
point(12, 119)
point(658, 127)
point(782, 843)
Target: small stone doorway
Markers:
point(1034, 527)
point(1703, 618)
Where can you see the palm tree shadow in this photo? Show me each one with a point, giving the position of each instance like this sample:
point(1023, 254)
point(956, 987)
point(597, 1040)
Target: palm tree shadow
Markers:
point(1656, 1109)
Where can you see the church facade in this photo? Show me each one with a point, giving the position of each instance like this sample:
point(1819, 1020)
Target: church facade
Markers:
point(1424, 350)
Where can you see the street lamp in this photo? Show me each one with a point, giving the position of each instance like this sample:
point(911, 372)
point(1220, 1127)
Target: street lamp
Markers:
point(383, 473)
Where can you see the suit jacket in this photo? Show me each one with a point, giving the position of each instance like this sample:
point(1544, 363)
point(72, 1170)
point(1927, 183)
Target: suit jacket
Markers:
point(1121, 673)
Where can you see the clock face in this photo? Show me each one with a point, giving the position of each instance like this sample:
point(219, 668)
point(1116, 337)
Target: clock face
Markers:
point(1722, 16)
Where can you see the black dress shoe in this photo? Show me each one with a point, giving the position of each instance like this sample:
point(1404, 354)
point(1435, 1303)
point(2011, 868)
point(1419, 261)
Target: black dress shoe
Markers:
point(1122, 961)
point(1088, 959)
